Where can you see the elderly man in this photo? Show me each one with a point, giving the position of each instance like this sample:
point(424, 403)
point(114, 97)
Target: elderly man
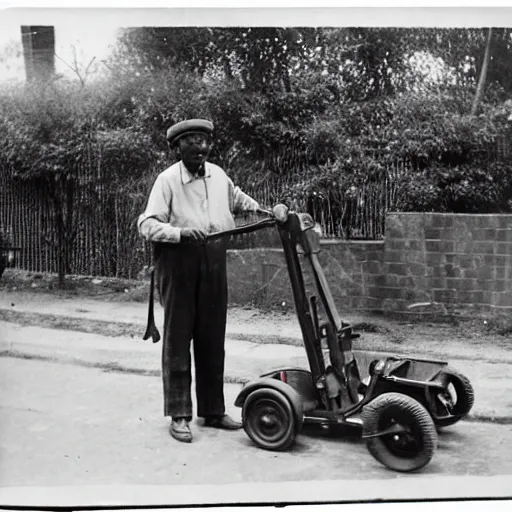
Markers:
point(188, 200)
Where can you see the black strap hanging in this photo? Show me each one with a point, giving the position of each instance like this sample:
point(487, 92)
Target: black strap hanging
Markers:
point(151, 328)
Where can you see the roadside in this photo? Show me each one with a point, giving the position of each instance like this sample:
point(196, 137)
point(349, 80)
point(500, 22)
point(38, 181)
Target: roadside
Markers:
point(100, 322)
point(245, 360)
point(108, 335)
point(114, 317)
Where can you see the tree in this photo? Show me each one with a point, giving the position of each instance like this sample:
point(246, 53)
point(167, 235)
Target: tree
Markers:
point(53, 137)
point(483, 74)
point(463, 50)
point(155, 48)
point(35, 142)
point(80, 70)
point(260, 58)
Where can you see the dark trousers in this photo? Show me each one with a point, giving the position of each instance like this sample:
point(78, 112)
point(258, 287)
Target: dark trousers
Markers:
point(3, 264)
point(192, 285)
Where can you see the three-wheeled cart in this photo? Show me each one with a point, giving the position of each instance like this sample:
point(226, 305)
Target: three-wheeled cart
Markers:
point(398, 407)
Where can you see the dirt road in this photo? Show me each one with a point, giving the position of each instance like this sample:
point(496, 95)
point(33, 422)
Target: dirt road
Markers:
point(68, 425)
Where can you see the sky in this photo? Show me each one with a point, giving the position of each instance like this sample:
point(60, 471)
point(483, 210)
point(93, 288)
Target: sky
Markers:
point(86, 40)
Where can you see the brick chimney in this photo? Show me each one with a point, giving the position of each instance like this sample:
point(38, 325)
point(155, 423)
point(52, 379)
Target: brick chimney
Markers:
point(38, 52)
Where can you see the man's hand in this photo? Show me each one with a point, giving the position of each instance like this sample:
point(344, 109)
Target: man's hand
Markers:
point(193, 235)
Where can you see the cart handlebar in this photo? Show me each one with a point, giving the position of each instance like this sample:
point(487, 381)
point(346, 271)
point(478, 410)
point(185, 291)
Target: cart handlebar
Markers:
point(248, 228)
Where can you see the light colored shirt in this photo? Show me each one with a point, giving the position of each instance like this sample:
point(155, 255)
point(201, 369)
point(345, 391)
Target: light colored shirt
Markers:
point(179, 200)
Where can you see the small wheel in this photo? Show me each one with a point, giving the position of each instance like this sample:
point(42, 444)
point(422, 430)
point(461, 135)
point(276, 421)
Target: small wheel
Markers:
point(457, 399)
point(269, 419)
point(406, 450)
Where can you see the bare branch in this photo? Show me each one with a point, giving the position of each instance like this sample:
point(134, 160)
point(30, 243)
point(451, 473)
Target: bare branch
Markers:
point(107, 65)
point(76, 67)
point(67, 64)
point(89, 65)
point(483, 74)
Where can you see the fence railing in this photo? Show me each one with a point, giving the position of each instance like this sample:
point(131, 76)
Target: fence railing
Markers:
point(107, 243)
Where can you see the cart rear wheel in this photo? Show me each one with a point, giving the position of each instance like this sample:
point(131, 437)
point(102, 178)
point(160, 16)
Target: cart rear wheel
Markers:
point(414, 443)
point(269, 419)
point(457, 399)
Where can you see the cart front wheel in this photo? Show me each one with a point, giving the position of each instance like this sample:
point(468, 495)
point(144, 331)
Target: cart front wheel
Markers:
point(412, 438)
point(457, 399)
point(269, 419)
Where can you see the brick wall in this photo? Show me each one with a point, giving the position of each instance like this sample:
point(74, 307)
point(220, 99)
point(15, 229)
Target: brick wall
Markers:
point(456, 264)
point(353, 270)
point(459, 263)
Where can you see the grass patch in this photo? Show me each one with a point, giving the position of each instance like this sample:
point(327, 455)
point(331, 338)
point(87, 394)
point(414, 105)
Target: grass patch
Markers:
point(67, 323)
point(104, 288)
point(370, 327)
point(501, 326)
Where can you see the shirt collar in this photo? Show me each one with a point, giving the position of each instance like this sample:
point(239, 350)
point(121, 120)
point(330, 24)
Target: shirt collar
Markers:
point(187, 176)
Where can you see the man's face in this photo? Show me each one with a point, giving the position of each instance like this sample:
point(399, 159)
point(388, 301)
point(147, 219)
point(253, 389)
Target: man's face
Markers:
point(194, 149)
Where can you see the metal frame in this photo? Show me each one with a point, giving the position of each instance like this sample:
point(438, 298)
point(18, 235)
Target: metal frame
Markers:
point(342, 374)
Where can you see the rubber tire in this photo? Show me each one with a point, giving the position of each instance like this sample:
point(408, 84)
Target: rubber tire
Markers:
point(258, 397)
point(413, 414)
point(464, 390)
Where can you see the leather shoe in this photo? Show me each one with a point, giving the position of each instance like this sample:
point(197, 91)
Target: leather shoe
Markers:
point(180, 430)
point(222, 422)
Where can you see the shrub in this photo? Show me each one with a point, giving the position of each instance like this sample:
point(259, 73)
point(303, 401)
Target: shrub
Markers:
point(459, 189)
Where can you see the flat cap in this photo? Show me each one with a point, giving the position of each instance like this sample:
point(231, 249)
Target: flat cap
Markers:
point(178, 130)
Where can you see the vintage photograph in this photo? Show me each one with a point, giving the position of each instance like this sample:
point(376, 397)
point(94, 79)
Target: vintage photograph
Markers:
point(242, 254)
